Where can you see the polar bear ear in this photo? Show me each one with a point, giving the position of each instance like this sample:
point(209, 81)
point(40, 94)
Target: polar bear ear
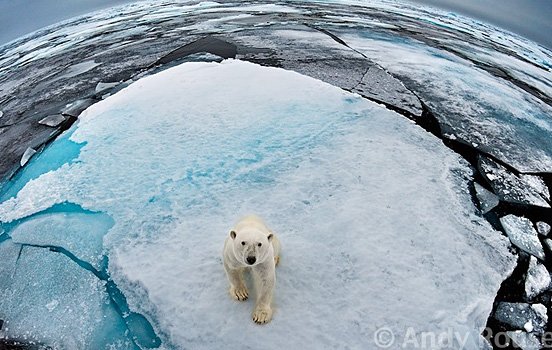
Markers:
point(233, 234)
point(270, 237)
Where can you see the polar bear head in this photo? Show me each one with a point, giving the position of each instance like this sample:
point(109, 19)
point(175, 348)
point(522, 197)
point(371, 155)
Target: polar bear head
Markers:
point(251, 246)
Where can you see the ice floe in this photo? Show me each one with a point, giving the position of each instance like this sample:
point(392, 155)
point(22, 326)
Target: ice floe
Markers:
point(487, 199)
point(537, 280)
point(524, 340)
point(29, 152)
point(100, 87)
point(523, 235)
point(47, 298)
point(513, 188)
point(477, 107)
point(543, 228)
point(53, 120)
point(522, 316)
point(175, 158)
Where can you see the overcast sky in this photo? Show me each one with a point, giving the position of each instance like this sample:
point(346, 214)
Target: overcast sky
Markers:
point(19, 17)
point(530, 18)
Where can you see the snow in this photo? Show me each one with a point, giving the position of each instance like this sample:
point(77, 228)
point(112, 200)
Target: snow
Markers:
point(537, 184)
point(537, 280)
point(543, 228)
point(523, 235)
point(548, 243)
point(541, 311)
point(52, 120)
point(374, 214)
point(487, 199)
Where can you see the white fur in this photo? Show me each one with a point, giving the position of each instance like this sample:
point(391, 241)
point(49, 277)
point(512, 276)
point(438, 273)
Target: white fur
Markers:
point(243, 243)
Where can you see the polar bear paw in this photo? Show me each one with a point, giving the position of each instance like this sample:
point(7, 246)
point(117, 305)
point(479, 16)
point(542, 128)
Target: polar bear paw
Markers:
point(262, 315)
point(239, 293)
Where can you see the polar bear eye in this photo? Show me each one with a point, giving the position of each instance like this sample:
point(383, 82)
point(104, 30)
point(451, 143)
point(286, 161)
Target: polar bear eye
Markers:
point(243, 243)
point(259, 244)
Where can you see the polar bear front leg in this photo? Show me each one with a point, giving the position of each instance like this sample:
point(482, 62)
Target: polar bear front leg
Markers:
point(264, 277)
point(238, 290)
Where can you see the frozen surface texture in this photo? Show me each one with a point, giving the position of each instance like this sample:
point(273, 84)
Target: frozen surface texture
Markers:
point(521, 316)
point(538, 278)
point(523, 235)
point(29, 152)
point(525, 341)
point(362, 199)
point(75, 230)
point(543, 228)
point(513, 188)
point(487, 199)
point(471, 103)
point(64, 306)
point(52, 120)
point(488, 88)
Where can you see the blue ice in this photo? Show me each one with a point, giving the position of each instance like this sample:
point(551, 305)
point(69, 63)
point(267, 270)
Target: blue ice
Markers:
point(63, 151)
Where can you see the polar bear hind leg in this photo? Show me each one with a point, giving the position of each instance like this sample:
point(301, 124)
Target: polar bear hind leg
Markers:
point(276, 247)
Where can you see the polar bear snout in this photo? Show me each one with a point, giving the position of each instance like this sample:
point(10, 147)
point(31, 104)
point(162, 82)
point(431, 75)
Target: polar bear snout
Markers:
point(251, 260)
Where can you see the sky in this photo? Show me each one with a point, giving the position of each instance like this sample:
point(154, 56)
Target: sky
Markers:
point(529, 18)
point(19, 17)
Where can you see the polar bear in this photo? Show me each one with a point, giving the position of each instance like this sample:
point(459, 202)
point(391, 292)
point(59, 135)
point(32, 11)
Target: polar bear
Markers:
point(252, 246)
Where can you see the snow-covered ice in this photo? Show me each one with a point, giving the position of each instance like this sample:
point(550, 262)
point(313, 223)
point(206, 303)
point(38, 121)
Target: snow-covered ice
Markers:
point(487, 199)
point(524, 340)
point(52, 120)
point(77, 69)
point(470, 103)
point(543, 228)
point(377, 226)
point(105, 86)
point(537, 184)
point(548, 243)
point(513, 188)
point(522, 316)
point(537, 280)
point(523, 235)
point(75, 108)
